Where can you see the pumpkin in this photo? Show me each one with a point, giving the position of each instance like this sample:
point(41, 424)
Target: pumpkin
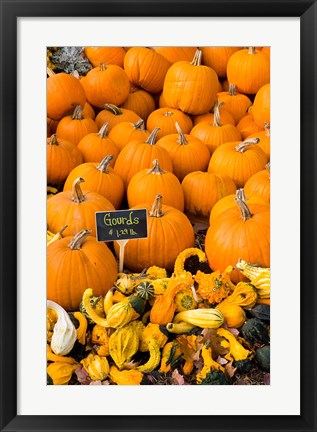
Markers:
point(169, 232)
point(215, 133)
point(88, 111)
point(125, 132)
point(95, 146)
point(108, 55)
point(100, 178)
point(217, 58)
point(139, 101)
point(146, 184)
point(239, 232)
point(247, 126)
point(236, 103)
point(203, 189)
point(259, 184)
point(106, 84)
point(61, 157)
point(113, 115)
point(261, 106)
point(74, 127)
point(73, 263)
point(191, 86)
point(249, 70)
point(264, 139)
point(165, 119)
point(76, 210)
point(267, 51)
point(138, 155)
point(187, 152)
point(226, 117)
point(51, 126)
point(63, 93)
point(175, 54)
point(238, 160)
point(146, 68)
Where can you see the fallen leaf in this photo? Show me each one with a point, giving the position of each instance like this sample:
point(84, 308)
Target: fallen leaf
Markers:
point(82, 376)
point(177, 378)
point(234, 331)
point(230, 370)
point(221, 360)
point(210, 335)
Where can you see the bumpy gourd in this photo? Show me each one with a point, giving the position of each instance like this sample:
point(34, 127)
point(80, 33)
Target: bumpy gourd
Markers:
point(97, 367)
point(124, 343)
point(64, 332)
point(171, 355)
point(244, 295)
point(153, 331)
point(125, 377)
point(125, 311)
point(100, 340)
point(215, 286)
point(96, 304)
point(210, 364)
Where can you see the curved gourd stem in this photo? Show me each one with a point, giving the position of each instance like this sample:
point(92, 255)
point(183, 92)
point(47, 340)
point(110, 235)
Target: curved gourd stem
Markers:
point(156, 210)
point(246, 144)
point(232, 90)
point(113, 109)
point(53, 140)
point(252, 50)
point(197, 58)
point(139, 124)
point(156, 168)
point(181, 136)
point(78, 113)
point(244, 209)
point(79, 239)
point(50, 72)
point(77, 193)
point(152, 137)
point(104, 164)
point(103, 130)
point(267, 129)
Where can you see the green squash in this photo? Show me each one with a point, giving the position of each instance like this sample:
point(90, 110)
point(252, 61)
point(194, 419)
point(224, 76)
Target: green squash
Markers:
point(262, 358)
point(255, 331)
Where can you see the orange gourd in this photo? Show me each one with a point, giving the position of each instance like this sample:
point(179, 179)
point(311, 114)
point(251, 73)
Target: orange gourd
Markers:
point(236, 103)
point(125, 132)
point(165, 119)
point(113, 115)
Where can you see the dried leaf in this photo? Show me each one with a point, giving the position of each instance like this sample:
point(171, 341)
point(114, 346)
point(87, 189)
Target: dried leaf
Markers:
point(230, 370)
point(190, 346)
point(82, 376)
point(215, 342)
point(177, 378)
point(222, 361)
point(234, 331)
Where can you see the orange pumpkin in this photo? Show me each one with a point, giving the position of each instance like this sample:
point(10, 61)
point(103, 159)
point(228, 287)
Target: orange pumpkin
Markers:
point(100, 178)
point(165, 119)
point(95, 146)
point(52, 126)
point(113, 115)
point(169, 233)
point(75, 263)
point(217, 58)
point(236, 103)
point(76, 210)
point(238, 160)
point(191, 86)
point(73, 128)
point(61, 157)
point(247, 126)
point(106, 84)
point(249, 70)
point(239, 232)
point(175, 54)
point(138, 155)
point(202, 190)
point(139, 101)
point(88, 111)
point(261, 106)
point(125, 132)
point(267, 51)
point(63, 93)
point(226, 117)
point(265, 138)
point(216, 133)
point(146, 184)
point(108, 55)
point(146, 68)
point(259, 184)
point(187, 153)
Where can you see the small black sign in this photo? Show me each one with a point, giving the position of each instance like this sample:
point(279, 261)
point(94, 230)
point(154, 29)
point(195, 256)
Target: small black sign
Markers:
point(121, 225)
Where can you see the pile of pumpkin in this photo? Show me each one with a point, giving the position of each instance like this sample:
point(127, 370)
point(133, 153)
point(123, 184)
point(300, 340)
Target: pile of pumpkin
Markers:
point(183, 133)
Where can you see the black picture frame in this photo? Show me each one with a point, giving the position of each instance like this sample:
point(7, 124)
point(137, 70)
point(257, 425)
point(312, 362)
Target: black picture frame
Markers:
point(307, 12)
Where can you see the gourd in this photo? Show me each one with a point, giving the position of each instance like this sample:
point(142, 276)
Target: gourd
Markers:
point(216, 377)
point(97, 304)
point(190, 86)
point(261, 311)
point(255, 331)
point(204, 318)
point(68, 277)
point(260, 277)
point(185, 300)
point(171, 355)
point(75, 209)
point(125, 132)
point(262, 357)
point(64, 332)
point(169, 232)
point(165, 119)
point(236, 103)
point(60, 373)
point(51, 357)
point(100, 178)
point(187, 152)
point(184, 255)
point(96, 146)
point(140, 102)
point(125, 377)
point(233, 314)
point(61, 158)
point(155, 357)
point(96, 366)
point(145, 290)
point(244, 295)
point(237, 352)
point(82, 327)
point(106, 83)
point(100, 338)
point(179, 328)
point(153, 331)
point(210, 365)
point(124, 343)
point(113, 115)
point(214, 286)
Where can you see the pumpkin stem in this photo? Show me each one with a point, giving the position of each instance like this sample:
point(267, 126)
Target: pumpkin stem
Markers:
point(77, 193)
point(268, 166)
point(156, 210)
point(168, 114)
point(75, 74)
point(267, 129)
point(104, 164)
point(240, 194)
point(78, 113)
point(197, 58)
point(245, 144)
point(62, 230)
point(50, 72)
point(78, 240)
point(102, 66)
point(244, 209)
point(113, 109)
point(217, 121)
point(252, 50)
point(156, 168)
point(53, 140)
point(232, 89)
point(152, 137)
point(139, 124)
point(181, 136)
point(103, 130)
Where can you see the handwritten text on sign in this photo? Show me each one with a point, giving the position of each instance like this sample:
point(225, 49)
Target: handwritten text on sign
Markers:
point(121, 225)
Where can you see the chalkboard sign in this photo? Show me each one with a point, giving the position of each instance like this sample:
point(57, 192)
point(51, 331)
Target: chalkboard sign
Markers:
point(121, 225)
